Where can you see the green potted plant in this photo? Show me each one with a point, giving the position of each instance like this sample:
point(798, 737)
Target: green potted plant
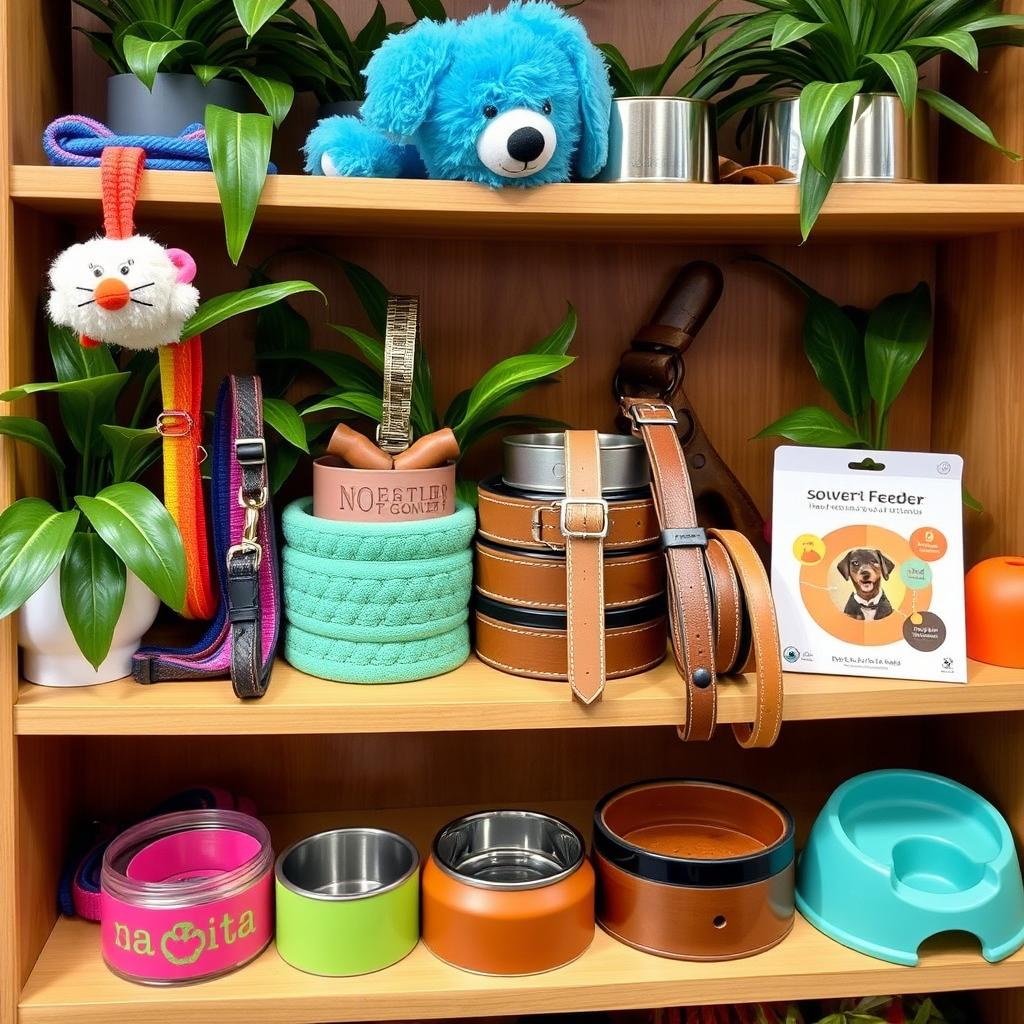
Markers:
point(658, 137)
point(89, 573)
point(863, 359)
point(321, 56)
point(356, 384)
point(835, 83)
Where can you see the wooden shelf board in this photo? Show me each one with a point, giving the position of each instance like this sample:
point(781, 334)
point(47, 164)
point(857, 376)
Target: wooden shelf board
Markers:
point(476, 697)
point(70, 981)
point(461, 209)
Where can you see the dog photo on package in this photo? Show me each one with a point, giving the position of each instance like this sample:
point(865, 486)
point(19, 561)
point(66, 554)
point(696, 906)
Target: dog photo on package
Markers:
point(868, 564)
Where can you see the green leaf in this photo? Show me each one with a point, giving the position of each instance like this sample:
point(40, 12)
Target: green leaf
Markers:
point(206, 73)
point(281, 415)
point(813, 425)
point(31, 431)
point(143, 535)
point(955, 41)
point(254, 14)
point(144, 56)
point(275, 96)
point(72, 360)
point(970, 501)
point(281, 334)
point(33, 539)
point(788, 29)
point(345, 371)
point(372, 349)
point(375, 31)
point(623, 82)
point(353, 401)
point(897, 334)
point(961, 116)
point(94, 402)
point(432, 9)
point(902, 72)
point(133, 450)
point(239, 146)
point(216, 310)
point(815, 185)
point(533, 424)
point(835, 350)
point(372, 295)
point(92, 586)
point(559, 340)
point(822, 105)
point(500, 384)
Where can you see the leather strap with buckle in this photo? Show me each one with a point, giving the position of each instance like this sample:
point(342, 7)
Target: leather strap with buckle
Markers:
point(583, 522)
point(394, 434)
point(721, 614)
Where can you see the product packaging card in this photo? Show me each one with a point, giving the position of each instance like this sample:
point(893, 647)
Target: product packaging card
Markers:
point(868, 563)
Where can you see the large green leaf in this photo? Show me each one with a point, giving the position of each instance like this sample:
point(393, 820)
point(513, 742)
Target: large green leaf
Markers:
point(95, 400)
point(275, 96)
point(281, 415)
point(281, 334)
point(92, 586)
point(822, 105)
point(621, 74)
point(254, 14)
point(33, 539)
point(815, 426)
point(345, 371)
point(955, 41)
point(72, 360)
point(372, 349)
point(961, 116)
point(352, 401)
point(835, 350)
point(500, 384)
point(431, 9)
point(902, 72)
point(215, 311)
point(815, 185)
point(31, 431)
point(132, 449)
point(897, 335)
point(239, 146)
point(559, 340)
point(788, 29)
point(372, 295)
point(143, 535)
point(144, 56)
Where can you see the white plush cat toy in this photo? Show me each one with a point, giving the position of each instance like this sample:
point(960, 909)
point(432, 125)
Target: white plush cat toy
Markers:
point(130, 291)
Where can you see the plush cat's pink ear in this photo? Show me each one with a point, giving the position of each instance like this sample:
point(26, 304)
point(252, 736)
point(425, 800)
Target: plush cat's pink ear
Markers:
point(185, 264)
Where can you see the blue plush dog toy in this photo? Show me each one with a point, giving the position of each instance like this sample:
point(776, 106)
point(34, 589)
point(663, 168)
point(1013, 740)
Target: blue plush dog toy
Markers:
point(514, 97)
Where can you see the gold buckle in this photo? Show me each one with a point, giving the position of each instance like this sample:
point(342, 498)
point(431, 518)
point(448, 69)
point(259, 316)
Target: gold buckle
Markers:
point(563, 520)
point(652, 414)
point(174, 414)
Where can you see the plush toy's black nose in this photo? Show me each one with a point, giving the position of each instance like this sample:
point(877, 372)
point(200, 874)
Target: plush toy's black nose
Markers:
point(525, 144)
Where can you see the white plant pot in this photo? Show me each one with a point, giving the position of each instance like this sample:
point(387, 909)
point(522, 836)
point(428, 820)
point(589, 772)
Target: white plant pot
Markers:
point(50, 655)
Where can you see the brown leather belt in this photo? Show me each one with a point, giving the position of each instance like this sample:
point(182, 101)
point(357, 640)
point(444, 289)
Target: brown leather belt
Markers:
point(717, 588)
point(535, 524)
point(537, 580)
point(542, 653)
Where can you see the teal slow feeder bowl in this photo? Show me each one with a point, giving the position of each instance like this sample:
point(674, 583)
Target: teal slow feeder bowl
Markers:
point(896, 857)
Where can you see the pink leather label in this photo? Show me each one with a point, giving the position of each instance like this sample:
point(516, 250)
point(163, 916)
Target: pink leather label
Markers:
point(382, 496)
point(186, 943)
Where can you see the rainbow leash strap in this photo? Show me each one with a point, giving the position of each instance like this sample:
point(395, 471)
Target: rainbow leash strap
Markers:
point(181, 382)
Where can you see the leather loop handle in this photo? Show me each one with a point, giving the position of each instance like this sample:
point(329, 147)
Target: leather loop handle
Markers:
point(691, 626)
point(584, 524)
point(764, 641)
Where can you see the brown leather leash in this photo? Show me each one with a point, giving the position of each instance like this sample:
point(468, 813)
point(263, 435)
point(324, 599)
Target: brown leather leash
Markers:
point(718, 592)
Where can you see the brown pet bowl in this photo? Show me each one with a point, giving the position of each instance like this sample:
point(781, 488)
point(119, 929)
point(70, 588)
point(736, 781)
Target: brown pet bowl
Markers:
point(694, 870)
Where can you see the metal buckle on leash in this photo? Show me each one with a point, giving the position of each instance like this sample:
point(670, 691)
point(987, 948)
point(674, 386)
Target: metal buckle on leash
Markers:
point(250, 528)
point(182, 430)
point(652, 414)
point(250, 451)
point(595, 503)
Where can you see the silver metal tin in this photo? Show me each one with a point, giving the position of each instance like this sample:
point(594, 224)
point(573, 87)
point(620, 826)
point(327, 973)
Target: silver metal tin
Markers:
point(661, 138)
point(536, 463)
point(509, 850)
point(347, 864)
point(174, 102)
point(884, 144)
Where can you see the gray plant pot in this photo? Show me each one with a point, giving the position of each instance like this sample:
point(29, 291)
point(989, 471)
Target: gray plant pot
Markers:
point(884, 144)
point(661, 138)
point(346, 108)
point(175, 102)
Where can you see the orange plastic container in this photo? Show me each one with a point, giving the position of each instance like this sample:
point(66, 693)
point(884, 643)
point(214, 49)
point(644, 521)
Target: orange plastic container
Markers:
point(994, 592)
point(508, 892)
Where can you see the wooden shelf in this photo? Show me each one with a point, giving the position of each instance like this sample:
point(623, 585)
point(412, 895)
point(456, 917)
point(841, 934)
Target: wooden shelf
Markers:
point(665, 212)
point(476, 697)
point(70, 981)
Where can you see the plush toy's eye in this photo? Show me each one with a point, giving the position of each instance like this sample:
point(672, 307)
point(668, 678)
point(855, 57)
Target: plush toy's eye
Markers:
point(547, 107)
point(97, 271)
point(124, 268)
point(490, 110)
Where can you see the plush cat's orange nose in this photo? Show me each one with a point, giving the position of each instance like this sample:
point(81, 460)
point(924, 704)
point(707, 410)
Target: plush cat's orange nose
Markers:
point(112, 293)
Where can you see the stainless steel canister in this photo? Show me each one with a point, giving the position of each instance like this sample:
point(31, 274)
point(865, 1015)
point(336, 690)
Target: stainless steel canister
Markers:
point(661, 138)
point(536, 463)
point(884, 144)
